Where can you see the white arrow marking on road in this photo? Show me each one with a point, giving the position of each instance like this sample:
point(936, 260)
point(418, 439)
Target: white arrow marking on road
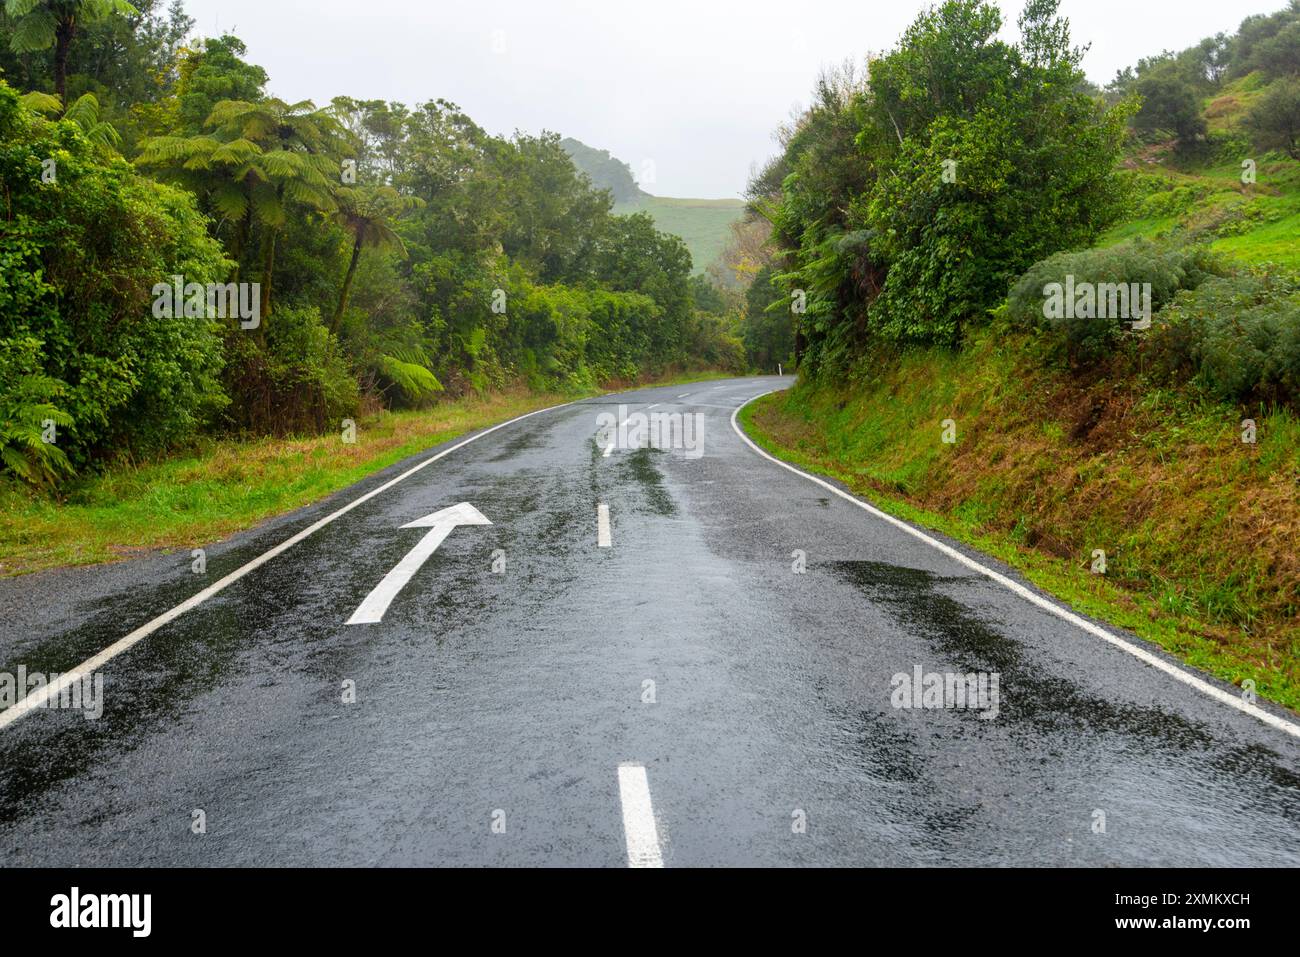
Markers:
point(440, 524)
point(638, 817)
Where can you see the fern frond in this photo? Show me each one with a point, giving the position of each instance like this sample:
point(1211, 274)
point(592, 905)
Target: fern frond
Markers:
point(41, 102)
point(414, 380)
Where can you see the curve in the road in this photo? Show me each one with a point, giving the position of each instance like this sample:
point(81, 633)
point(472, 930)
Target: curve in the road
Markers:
point(1142, 654)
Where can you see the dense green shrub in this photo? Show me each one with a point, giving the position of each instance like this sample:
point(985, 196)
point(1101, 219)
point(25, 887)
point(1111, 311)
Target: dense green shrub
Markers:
point(1089, 335)
point(81, 249)
point(299, 381)
point(1238, 336)
point(1170, 202)
point(1170, 103)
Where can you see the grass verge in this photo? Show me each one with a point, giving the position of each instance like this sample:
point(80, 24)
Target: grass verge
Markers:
point(1200, 531)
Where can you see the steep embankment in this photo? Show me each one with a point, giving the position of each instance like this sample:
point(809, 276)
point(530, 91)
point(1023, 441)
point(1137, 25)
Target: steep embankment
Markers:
point(1201, 531)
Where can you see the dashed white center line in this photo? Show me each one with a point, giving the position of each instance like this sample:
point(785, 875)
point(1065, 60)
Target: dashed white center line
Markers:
point(638, 817)
point(602, 526)
point(652, 405)
point(684, 395)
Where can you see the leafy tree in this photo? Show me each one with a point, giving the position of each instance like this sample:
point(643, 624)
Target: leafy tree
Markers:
point(767, 330)
point(42, 24)
point(911, 201)
point(1275, 119)
point(554, 216)
point(84, 112)
point(828, 167)
point(1211, 58)
point(211, 72)
point(379, 129)
point(1279, 55)
point(1169, 103)
point(1268, 42)
point(635, 257)
point(259, 160)
point(706, 296)
point(367, 213)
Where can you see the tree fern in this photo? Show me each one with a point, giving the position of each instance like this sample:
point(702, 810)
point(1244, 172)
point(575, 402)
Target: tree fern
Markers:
point(26, 407)
point(414, 380)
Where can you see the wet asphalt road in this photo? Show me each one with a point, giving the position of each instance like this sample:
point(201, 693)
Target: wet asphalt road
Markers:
point(511, 697)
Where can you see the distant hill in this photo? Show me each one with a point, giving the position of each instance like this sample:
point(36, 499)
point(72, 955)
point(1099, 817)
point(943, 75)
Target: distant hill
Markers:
point(703, 224)
point(605, 171)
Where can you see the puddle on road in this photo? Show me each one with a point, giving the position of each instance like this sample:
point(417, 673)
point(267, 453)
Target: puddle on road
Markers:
point(1044, 703)
point(640, 466)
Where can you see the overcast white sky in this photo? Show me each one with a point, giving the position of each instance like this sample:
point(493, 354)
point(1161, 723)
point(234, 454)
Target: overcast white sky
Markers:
point(693, 87)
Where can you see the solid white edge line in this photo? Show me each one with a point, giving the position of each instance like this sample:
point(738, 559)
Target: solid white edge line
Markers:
point(639, 828)
point(1142, 654)
point(603, 539)
point(38, 698)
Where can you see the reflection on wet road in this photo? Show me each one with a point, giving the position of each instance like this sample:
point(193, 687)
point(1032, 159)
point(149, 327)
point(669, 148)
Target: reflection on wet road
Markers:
point(720, 684)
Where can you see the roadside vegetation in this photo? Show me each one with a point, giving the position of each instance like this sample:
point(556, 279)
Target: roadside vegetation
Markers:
point(188, 261)
point(926, 221)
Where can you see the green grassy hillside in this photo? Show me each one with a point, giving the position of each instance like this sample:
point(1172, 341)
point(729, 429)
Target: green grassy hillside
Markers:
point(704, 224)
point(1203, 197)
